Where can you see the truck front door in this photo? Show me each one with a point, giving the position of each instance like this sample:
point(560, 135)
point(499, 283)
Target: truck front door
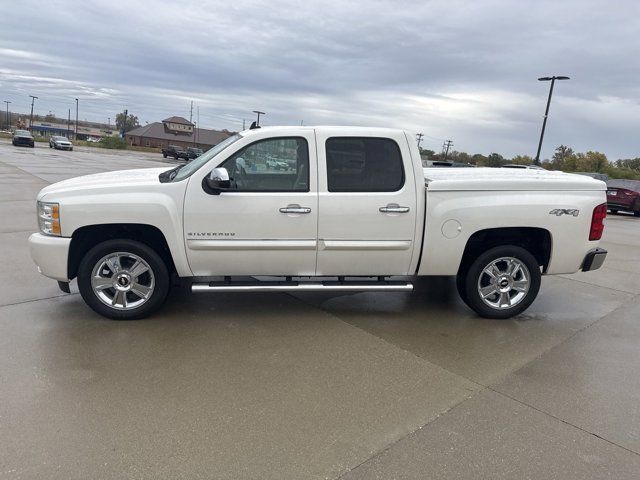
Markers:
point(266, 223)
point(367, 204)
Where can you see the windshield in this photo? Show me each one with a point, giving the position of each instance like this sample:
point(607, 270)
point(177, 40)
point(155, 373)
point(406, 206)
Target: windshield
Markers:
point(191, 167)
point(22, 132)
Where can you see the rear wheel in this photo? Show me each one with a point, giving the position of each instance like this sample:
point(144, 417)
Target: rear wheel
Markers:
point(123, 279)
point(502, 282)
point(614, 211)
point(636, 213)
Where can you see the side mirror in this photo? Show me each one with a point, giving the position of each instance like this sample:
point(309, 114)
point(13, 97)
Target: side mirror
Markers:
point(217, 181)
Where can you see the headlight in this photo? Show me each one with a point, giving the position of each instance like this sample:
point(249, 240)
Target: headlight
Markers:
point(49, 218)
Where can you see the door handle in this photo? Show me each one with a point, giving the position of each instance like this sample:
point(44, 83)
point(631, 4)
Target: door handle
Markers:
point(394, 208)
point(295, 208)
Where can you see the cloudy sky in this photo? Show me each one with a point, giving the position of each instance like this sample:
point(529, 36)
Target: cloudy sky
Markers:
point(460, 70)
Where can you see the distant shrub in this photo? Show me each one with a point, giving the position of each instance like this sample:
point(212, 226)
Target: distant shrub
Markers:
point(113, 143)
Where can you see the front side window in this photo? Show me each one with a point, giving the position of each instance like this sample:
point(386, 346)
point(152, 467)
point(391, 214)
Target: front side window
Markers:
point(271, 165)
point(363, 164)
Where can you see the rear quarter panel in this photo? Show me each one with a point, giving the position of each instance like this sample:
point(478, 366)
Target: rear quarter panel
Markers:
point(479, 210)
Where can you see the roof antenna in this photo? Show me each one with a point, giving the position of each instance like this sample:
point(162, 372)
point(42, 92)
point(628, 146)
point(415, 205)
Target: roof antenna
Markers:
point(256, 124)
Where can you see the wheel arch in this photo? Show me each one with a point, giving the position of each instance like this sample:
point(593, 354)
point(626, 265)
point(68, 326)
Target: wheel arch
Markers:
point(88, 236)
point(537, 241)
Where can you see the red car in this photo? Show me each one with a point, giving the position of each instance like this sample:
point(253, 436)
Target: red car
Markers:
point(624, 195)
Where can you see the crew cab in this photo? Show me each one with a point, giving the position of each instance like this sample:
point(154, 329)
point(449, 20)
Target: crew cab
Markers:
point(23, 137)
point(356, 211)
point(174, 151)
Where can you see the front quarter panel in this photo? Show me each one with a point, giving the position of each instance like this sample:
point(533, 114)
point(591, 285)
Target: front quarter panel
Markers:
point(159, 206)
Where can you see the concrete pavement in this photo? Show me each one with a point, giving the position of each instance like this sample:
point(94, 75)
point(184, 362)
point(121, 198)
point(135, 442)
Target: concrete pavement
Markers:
point(386, 385)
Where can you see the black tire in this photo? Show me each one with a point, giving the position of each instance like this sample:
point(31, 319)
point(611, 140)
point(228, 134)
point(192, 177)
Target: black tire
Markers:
point(474, 275)
point(50, 146)
point(164, 155)
point(614, 211)
point(156, 264)
point(636, 213)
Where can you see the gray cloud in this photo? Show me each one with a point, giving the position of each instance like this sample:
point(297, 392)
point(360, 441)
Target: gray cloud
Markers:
point(450, 69)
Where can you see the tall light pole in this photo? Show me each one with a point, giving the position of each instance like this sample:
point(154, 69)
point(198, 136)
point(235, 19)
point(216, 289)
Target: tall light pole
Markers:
point(33, 99)
point(75, 135)
point(8, 120)
point(258, 120)
point(546, 112)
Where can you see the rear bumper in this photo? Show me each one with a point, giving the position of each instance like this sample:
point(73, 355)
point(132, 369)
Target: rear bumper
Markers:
point(594, 259)
point(50, 254)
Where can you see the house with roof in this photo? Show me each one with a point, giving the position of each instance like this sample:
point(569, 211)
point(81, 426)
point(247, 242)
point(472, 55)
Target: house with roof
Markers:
point(175, 131)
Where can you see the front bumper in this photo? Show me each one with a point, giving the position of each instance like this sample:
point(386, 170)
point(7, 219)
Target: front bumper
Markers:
point(50, 254)
point(594, 259)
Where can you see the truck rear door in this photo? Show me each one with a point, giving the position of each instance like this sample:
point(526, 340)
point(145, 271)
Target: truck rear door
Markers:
point(367, 203)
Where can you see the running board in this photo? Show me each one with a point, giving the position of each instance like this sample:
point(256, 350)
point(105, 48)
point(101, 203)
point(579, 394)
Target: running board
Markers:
point(303, 287)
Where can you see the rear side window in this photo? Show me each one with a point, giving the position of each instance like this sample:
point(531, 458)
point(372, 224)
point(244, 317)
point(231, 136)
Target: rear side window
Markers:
point(363, 164)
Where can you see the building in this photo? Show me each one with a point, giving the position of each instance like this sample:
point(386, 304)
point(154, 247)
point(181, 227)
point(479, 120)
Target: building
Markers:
point(85, 131)
point(175, 131)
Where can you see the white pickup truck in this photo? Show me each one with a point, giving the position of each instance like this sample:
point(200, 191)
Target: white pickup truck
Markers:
point(354, 211)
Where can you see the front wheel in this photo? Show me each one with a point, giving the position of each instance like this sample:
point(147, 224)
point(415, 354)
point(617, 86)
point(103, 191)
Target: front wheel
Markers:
point(501, 283)
point(123, 279)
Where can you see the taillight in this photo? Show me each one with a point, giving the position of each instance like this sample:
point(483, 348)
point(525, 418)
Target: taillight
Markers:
point(597, 222)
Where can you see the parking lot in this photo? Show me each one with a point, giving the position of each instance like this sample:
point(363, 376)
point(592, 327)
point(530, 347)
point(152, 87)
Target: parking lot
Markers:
point(291, 386)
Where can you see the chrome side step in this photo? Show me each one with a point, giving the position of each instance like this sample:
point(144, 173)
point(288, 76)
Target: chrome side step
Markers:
point(303, 286)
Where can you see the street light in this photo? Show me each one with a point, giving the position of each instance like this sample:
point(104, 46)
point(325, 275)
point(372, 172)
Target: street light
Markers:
point(258, 120)
point(546, 112)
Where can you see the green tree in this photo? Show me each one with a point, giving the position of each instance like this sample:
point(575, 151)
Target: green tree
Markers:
point(495, 160)
point(563, 157)
point(630, 163)
point(591, 162)
point(129, 123)
point(522, 160)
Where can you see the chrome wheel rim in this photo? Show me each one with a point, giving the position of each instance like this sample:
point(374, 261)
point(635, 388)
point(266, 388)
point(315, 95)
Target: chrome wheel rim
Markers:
point(122, 280)
point(504, 283)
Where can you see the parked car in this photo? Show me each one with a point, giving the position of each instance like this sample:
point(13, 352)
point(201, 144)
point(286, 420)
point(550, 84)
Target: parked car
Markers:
point(623, 195)
point(23, 137)
point(175, 152)
point(193, 152)
point(358, 212)
point(60, 143)
point(275, 164)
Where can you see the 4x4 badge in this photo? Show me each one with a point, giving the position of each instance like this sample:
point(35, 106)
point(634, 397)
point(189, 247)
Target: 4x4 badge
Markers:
point(565, 211)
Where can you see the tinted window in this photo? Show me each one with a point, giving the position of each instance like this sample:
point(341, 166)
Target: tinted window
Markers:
point(357, 164)
point(271, 165)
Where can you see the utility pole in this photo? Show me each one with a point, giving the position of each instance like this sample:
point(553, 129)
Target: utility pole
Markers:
point(244, 127)
point(546, 112)
point(191, 113)
point(419, 139)
point(8, 119)
point(75, 136)
point(68, 122)
point(198, 120)
point(31, 117)
point(109, 122)
point(448, 144)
